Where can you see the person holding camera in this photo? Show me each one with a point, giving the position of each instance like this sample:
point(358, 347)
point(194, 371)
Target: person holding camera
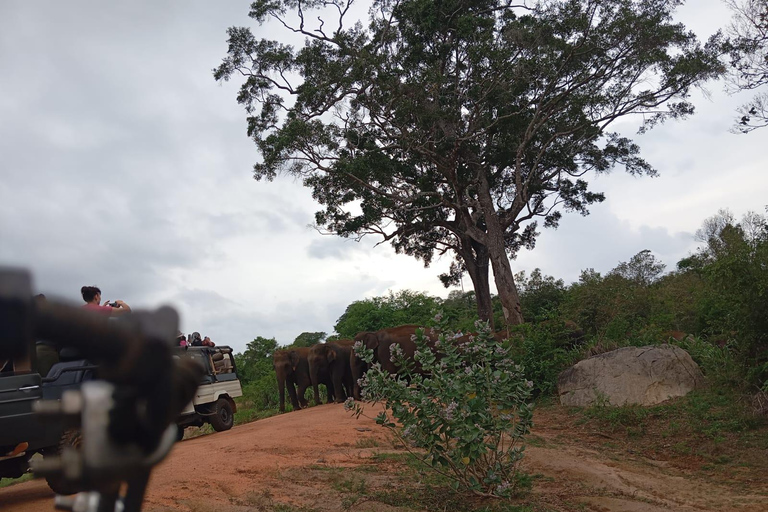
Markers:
point(92, 297)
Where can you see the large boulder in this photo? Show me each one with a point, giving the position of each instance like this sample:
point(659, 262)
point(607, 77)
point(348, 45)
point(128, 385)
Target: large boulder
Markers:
point(630, 375)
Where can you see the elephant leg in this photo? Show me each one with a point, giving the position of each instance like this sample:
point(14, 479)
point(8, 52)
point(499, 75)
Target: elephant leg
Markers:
point(302, 392)
point(357, 374)
point(281, 387)
point(349, 386)
point(315, 376)
point(292, 393)
point(331, 392)
point(338, 387)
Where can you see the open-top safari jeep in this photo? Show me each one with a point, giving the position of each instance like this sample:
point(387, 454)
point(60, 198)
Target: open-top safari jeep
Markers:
point(22, 433)
point(214, 400)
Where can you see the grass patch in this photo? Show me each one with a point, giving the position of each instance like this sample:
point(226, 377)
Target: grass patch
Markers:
point(713, 430)
point(263, 502)
point(367, 442)
point(7, 482)
point(401, 480)
point(247, 412)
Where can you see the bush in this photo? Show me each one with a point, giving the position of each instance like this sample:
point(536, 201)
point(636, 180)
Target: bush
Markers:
point(263, 392)
point(544, 350)
point(718, 363)
point(469, 410)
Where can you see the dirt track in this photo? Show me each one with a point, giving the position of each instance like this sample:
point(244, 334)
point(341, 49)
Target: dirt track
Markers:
point(278, 460)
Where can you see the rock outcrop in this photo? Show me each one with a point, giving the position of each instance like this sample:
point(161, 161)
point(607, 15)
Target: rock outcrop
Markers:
point(630, 375)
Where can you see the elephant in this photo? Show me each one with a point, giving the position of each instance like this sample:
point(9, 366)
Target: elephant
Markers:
point(292, 369)
point(329, 365)
point(380, 341)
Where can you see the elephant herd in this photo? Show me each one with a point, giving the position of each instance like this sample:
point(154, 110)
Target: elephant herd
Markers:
point(336, 365)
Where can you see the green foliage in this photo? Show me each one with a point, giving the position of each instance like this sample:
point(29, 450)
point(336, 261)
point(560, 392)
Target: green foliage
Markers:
point(710, 414)
point(718, 363)
point(735, 305)
point(402, 481)
point(642, 269)
point(621, 305)
point(454, 126)
point(307, 339)
point(544, 350)
point(459, 311)
point(263, 393)
point(540, 295)
point(256, 362)
point(676, 299)
point(403, 307)
point(7, 482)
point(468, 411)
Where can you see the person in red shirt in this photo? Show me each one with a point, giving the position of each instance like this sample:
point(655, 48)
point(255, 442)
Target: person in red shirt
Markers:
point(92, 297)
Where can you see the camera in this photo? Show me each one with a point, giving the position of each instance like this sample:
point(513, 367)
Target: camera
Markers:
point(113, 304)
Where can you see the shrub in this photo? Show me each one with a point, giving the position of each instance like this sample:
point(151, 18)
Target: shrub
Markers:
point(544, 350)
point(469, 410)
point(718, 363)
point(263, 392)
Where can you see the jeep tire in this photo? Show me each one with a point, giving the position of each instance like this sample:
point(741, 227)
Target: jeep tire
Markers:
point(70, 438)
point(222, 417)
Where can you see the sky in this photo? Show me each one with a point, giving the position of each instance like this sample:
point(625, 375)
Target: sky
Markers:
point(125, 165)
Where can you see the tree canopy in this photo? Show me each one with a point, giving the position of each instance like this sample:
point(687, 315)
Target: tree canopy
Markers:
point(451, 127)
point(256, 361)
point(307, 339)
point(403, 307)
point(643, 268)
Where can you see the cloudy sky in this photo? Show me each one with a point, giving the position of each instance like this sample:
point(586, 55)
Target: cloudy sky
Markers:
point(125, 165)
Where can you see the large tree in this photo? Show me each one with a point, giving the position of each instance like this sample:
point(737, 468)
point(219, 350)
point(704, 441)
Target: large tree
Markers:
point(451, 126)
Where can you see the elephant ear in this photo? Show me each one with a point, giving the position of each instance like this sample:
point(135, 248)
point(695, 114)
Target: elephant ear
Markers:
point(331, 355)
point(294, 358)
point(371, 341)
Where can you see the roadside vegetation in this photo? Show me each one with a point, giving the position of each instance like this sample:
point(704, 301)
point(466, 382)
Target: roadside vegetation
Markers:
point(713, 304)
point(465, 409)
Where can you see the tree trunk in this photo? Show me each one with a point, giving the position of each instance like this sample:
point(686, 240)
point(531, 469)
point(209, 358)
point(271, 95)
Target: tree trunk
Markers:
point(502, 270)
point(475, 257)
point(505, 284)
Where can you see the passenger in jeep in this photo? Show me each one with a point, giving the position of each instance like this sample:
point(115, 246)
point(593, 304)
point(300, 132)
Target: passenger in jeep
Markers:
point(92, 297)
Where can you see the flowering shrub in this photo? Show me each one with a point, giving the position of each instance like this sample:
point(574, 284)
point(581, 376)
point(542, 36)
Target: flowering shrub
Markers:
point(467, 409)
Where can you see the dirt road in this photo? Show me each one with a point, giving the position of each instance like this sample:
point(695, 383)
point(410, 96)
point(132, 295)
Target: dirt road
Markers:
point(322, 459)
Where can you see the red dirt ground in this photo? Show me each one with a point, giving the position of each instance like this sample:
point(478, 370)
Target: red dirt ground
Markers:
point(276, 461)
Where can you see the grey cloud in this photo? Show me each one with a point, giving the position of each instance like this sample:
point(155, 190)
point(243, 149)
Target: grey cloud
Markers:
point(333, 247)
point(600, 241)
point(126, 166)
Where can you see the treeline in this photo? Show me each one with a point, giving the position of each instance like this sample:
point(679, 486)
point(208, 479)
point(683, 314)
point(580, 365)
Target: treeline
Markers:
point(713, 302)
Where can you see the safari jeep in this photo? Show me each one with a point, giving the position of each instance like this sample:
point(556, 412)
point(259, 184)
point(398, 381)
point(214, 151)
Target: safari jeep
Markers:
point(214, 401)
